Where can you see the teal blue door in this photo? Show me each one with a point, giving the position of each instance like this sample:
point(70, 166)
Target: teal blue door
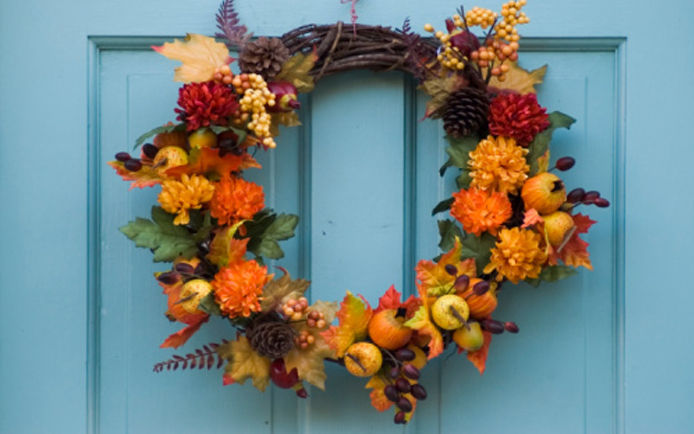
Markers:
point(81, 319)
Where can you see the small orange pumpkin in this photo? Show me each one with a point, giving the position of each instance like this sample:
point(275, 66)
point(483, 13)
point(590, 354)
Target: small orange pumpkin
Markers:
point(481, 306)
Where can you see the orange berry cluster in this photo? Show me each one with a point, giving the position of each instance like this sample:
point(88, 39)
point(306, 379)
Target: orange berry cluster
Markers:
point(223, 74)
point(304, 339)
point(450, 57)
point(255, 98)
point(477, 16)
point(511, 17)
point(316, 319)
point(294, 309)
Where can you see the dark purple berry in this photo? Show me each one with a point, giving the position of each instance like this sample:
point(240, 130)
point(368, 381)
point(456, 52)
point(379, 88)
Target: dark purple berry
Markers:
point(411, 371)
point(602, 202)
point(402, 385)
point(391, 393)
point(302, 393)
point(511, 327)
point(169, 277)
point(576, 195)
point(184, 268)
point(418, 391)
point(451, 269)
point(405, 354)
point(150, 150)
point(461, 283)
point(133, 165)
point(493, 326)
point(590, 197)
point(122, 157)
point(394, 372)
point(481, 287)
point(565, 163)
point(399, 418)
point(404, 404)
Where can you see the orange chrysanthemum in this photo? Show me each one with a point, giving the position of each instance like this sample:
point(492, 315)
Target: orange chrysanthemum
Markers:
point(517, 255)
point(478, 210)
point(178, 197)
point(236, 199)
point(498, 164)
point(237, 288)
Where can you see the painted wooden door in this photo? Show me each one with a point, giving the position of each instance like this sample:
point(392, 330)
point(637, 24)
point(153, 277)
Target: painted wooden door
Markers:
point(80, 322)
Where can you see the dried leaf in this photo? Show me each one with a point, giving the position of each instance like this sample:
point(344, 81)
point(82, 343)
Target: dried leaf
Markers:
point(531, 218)
point(479, 357)
point(288, 119)
point(353, 316)
point(296, 71)
point(519, 79)
point(244, 362)
point(433, 277)
point(421, 321)
point(378, 397)
point(309, 363)
point(278, 289)
point(180, 337)
point(439, 89)
point(208, 160)
point(575, 252)
point(225, 249)
point(145, 177)
point(199, 56)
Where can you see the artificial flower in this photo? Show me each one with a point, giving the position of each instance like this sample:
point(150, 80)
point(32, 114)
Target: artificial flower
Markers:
point(238, 286)
point(178, 197)
point(517, 116)
point(479, 210)
point(205, 104)
point(498, 164)
point(517, 255)
point(236, 199)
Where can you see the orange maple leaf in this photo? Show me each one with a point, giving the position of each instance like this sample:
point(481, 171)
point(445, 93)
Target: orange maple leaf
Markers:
point(389, 300)
point(353, 316)
point(145, 177)
point(479, 357)
point(377, 395)
point(575, 251)
point(531, 218)
point(434, 278)
point(180, 337)
point(422, 322)
point(209, 161)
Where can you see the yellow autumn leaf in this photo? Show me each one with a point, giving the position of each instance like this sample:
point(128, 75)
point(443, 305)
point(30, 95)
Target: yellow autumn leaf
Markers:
point(519, 79)
point(297, 70)
point(200, 55)
point(244, 362)
point(278, 290)
point(309, 363)
point(543, 162)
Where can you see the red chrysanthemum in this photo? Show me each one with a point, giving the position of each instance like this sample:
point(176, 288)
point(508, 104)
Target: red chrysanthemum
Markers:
point(205, 104)
point(517, 116)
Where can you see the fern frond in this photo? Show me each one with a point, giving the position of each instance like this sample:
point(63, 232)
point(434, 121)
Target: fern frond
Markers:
point(229, 25)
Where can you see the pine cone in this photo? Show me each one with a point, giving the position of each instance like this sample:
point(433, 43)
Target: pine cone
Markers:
point(271, 339)
point(466, 112)
point(264, 56)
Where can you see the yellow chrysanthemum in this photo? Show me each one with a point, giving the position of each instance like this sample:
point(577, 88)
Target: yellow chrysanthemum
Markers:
point(517, 255)
point(498, 164)
point(178, 197)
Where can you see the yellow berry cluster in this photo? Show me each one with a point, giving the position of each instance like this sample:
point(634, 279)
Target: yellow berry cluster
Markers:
point(477, 16)
point(450, 57)
point(304, 339)
point(223, 74)
point(316, 319)
point(511, 16)
point(254, 100)
point(294, 309)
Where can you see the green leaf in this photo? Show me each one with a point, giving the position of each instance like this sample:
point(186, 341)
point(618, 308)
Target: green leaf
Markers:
point(553, 273)
point(209, 305)
point(218, 129)
point(158, 130)
point(442, 206)
point(478, 248)
point(540, 144)
point(464, 179)
point(281, 228)
point(166, 240)
point(439, 89)
point(448, 230)
point(458, 155)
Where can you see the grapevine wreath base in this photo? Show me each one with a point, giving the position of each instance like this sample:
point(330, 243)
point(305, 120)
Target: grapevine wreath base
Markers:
point(512, 219)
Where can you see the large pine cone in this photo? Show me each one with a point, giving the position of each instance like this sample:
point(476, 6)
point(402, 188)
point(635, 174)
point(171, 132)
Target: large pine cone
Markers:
point(466, 113)
point(271, 339)
point(264, 56)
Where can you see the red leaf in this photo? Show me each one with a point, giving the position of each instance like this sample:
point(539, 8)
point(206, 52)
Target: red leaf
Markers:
point(389, 300)
point(180, 337)
point(479, 357)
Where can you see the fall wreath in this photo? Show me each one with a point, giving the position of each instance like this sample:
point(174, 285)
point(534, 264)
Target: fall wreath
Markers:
point(512, 217)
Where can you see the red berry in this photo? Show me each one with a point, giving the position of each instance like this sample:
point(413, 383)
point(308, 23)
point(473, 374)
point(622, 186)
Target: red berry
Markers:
point(602, 202)
point(122, 156)
point(565, 163)
point(133, 165)
point(511, 327)
point(493, 326)
point(411, 371)
point(450, 269)
point(391, 393)
point(461, 283)
point(405, 354)
point(481, 287)
point(576, 195)
point(590, 197)
point(402, 385)
point(404, 404)
point(399, 417)
point(168, 278)
point(418, 391)
point(302, 393)
point(394, 372)
point(150, 150)
point(280, 376)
